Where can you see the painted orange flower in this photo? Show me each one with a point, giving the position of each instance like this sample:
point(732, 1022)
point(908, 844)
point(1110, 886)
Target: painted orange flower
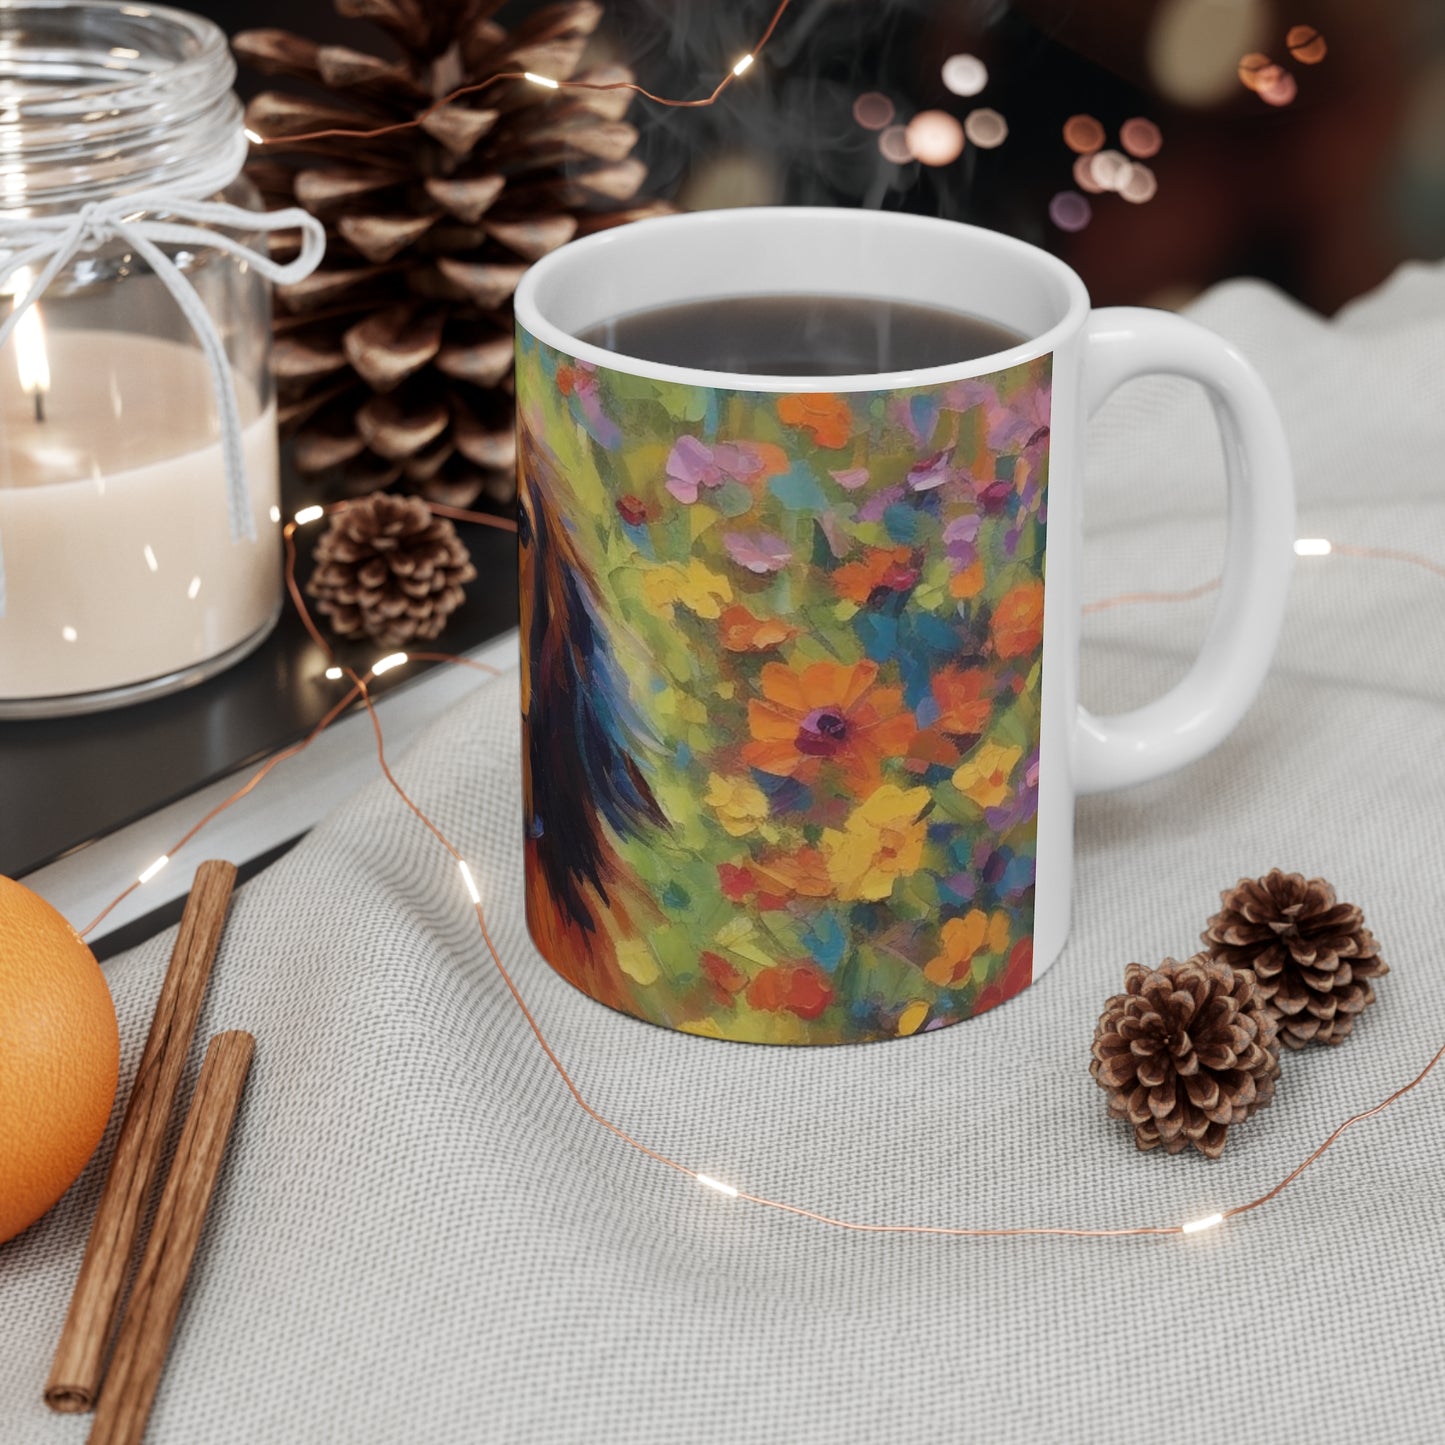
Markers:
point(825, 414)
point(740, 631)
point(804, 873)
point(726, 979)
point(800, 988)
point(827, 712)
point(880, 571)
point(964, 699)
point(1018, 620)
point(969, 582)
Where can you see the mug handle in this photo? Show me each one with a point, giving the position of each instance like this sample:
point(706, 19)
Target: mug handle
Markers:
point(1123, 342)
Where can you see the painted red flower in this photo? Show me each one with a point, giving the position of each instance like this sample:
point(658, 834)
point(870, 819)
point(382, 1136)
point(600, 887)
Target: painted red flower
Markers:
point(633, 510)
point(1017, 975)
point(799, 988)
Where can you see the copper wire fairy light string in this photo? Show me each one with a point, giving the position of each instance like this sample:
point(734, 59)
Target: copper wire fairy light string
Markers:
point(546, 81)
point(360, 690)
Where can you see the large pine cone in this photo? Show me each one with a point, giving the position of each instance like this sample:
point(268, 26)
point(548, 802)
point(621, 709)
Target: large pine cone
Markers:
point(388, 570)
point(1185, 1051)
point(1313, 957)
point(394, 359)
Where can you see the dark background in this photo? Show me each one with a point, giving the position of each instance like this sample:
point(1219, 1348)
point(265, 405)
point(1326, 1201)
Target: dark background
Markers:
point(1323, 196)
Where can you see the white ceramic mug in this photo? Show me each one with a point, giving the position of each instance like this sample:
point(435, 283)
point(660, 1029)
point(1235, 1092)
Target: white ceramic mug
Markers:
point(801, 655)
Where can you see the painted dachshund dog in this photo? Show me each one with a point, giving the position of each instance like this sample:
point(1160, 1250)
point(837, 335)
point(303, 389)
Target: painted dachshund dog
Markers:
point(582, 787)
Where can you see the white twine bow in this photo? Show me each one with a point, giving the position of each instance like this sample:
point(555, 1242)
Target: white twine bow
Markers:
point(52, 242)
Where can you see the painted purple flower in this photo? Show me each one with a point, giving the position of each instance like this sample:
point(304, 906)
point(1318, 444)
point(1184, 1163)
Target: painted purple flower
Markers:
point(690, 466)
point(972, 391)
point(762, 553)
point(851, 478)
point(959, 537)
point(1023, 419)
point(931, 471)
point(739, 460)
point(579, 381)
point(873, 509)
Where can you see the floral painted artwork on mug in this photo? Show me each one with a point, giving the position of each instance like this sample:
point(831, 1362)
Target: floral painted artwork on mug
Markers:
point(780, 689)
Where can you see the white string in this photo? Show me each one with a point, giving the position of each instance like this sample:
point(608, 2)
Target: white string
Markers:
point(52, 242)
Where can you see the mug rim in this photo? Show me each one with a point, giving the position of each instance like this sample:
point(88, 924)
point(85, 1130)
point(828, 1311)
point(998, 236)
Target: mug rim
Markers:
point(590, 249)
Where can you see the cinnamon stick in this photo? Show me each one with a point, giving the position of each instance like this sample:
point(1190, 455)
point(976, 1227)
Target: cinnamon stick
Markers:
point(79, 1362)
point(155, 1298)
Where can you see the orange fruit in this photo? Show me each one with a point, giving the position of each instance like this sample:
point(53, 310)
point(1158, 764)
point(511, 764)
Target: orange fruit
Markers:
point(59, 1056)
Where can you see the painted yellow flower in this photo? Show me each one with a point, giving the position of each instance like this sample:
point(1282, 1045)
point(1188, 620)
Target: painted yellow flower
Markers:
point(695, 586)
point(882, 840)
point(740, 805)
point(961, 939)
point(984, 774)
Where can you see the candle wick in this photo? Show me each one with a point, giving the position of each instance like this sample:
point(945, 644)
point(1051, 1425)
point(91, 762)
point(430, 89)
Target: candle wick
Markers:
point(39, 404)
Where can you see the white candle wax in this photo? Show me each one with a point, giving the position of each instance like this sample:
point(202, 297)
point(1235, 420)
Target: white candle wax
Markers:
point(114, 523)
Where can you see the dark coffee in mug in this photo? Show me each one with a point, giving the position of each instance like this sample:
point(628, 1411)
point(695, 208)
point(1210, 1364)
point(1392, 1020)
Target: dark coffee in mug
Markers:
point(802, 335)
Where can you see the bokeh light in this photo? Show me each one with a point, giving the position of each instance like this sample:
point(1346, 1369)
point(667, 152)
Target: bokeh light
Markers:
point(1140, 137)
point(1084, 175)
point(985, 128)
point(1140, 185)
point(934, 137)
point(965, 74)
point(1193, 47)
point(1277, 86)
point(1070, 211)
point(1251, 67)
point(1110, 170)
point(1083, 134)
point(1306, 44)
point(893, 142)
point(872, 110)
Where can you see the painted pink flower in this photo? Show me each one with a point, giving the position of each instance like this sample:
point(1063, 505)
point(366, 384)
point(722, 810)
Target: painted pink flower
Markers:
point(959, 538)
point(1022, 419)
point(931, 472)
point(690, 466)
point(851, 478)
point(762, 553)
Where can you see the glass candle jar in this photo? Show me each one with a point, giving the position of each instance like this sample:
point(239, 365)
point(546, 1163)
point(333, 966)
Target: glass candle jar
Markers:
point(136, 561)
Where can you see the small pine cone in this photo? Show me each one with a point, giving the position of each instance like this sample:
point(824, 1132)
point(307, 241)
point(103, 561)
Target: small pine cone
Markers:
point(1185, 1051)
point(1312, 956)
point(387, 569)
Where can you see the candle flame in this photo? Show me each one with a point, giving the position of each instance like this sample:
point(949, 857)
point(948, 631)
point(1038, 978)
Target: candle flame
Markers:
point(30, 355)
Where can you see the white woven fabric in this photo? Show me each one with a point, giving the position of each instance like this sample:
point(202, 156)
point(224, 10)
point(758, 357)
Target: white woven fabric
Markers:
point(419, 1237)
